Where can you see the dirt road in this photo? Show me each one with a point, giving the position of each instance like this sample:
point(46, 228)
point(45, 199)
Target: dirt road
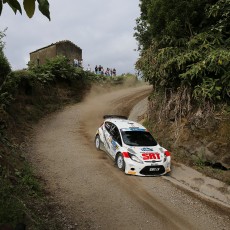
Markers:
point(94, 193)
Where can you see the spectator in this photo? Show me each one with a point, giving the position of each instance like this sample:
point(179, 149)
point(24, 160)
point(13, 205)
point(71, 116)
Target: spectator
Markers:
point(75, 62)
point(88, 68)
point(99, 69)
point(102, 70)
point(114, 72)
point(80, 64)
point(107, 72)
point(96, 69)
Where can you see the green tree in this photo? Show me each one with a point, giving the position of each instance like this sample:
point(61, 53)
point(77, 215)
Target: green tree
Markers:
point(5, 68)
point(175, 19)
point(187, 45)
point(29, 6)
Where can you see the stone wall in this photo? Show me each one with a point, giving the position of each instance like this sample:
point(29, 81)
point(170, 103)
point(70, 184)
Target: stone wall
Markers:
point(65, 48)
point(39, 57)
point(69, 50)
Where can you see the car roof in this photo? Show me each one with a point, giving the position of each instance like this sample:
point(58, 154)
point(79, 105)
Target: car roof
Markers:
point(126, 124)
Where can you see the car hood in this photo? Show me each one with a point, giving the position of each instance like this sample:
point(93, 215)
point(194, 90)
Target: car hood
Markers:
point(150, 153)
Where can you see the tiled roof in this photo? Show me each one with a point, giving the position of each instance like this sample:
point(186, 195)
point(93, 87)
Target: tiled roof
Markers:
point(56, 43)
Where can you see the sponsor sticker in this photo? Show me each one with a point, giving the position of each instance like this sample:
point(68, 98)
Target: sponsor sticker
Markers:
point(114, 145)
point(151, 156)
point(147, 149)
point(133, 129)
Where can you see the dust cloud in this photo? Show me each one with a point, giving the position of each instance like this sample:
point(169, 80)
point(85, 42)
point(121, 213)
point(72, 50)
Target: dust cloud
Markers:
point(98, 103)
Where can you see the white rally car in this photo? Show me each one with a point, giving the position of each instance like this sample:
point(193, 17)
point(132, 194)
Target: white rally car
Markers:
point(132, 147)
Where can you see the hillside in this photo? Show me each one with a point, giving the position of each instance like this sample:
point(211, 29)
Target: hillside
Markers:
point(200, 138)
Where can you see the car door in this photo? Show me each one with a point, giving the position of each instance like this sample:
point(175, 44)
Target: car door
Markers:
point(107, 136)
point(115, 142)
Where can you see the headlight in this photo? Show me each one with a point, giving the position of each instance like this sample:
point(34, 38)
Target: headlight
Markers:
point(135, 158)
point(166, 154)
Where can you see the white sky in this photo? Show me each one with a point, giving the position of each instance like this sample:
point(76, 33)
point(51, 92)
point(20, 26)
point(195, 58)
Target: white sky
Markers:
point(103, 29)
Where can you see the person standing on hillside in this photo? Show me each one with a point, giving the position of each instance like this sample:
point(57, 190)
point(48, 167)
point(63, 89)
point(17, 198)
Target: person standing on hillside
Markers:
point(99, 69)
point(75, 62)
point(96, 69)
point(114, 72)
point(88, 68)
point(107, 72)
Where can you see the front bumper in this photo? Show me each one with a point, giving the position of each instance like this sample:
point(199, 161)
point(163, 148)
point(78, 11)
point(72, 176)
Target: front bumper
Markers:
point(146, 169)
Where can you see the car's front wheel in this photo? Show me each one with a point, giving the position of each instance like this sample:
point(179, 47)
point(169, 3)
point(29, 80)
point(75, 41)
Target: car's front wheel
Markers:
point(120, 162)
point(98, 142)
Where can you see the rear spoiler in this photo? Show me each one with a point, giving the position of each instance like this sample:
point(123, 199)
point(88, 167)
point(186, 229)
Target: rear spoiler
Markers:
point(115, 116)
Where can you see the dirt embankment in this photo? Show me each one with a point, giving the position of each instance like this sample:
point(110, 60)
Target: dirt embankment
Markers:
point(184, 175)
point(199, 136)
point(94, 193)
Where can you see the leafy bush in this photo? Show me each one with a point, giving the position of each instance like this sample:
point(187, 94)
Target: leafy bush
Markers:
point(12, 83)
point(55, 69)
point(199, 60)
point(5, 68)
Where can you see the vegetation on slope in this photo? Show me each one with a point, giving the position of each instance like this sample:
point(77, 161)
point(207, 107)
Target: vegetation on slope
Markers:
point(184, 54)
point(186, 44)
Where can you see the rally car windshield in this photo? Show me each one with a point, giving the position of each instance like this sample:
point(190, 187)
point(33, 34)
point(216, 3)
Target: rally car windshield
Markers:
point(138, 138)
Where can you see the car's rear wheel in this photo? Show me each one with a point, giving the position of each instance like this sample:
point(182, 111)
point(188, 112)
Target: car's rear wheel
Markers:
point(120, 162)
point(98, 142)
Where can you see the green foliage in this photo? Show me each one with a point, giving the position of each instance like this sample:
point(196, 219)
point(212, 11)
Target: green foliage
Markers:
point(2, 35)
point(5, 68)
point(18, 186)
point(11, 84)
point(29, 7)
point(174, 19)
point(54, 69)
point(199, 159)
point(197, 56)
point(28, 180)
point(15, 198)
point(10, 207)
point(207, 89)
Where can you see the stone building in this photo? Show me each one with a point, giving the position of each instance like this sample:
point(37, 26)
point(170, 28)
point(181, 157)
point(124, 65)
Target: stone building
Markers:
point(65, 48)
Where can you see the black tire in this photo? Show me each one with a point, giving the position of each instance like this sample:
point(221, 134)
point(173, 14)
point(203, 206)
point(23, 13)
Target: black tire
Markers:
point(98, 142)
point(168, 174)
point(120, 162)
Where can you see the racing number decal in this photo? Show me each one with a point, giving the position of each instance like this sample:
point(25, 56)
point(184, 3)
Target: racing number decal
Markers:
point(151, 156)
